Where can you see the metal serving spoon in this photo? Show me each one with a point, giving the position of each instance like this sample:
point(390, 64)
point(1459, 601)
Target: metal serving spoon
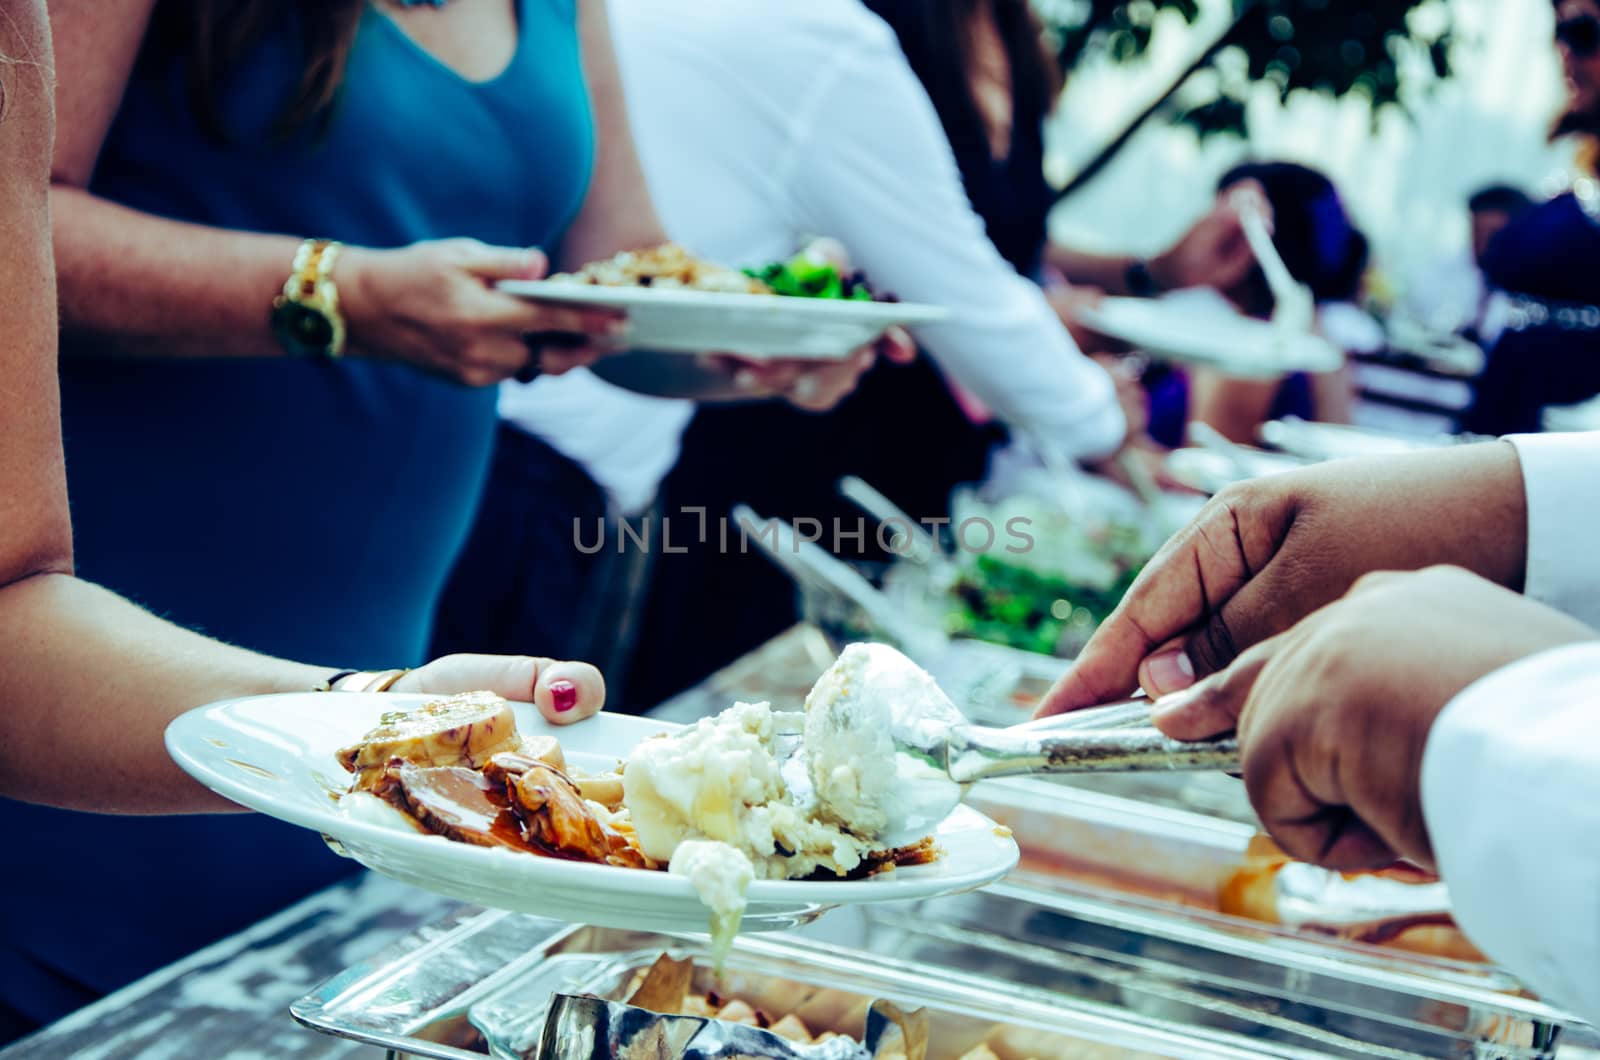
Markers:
point(909, 756)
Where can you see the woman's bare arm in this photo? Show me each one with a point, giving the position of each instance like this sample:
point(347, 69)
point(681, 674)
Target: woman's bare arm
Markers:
point(87, 679)
point(89, 682)
point(134, 283)
point(35, 528)
point(618, 213)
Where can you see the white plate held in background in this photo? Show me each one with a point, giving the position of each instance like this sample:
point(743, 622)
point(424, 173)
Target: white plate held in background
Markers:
point(275, 754)
point(1182, 330)
point(750, 325)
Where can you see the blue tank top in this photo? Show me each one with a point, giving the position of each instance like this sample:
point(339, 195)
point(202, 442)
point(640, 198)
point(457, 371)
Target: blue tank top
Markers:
point(305, 509)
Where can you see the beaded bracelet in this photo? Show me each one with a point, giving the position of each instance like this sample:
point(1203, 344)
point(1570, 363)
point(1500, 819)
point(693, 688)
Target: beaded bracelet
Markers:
point(370, 681)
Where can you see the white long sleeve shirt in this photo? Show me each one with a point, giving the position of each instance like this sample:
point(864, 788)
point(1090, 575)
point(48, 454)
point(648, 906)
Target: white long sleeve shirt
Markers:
point(1511, 774)
point(761, 123)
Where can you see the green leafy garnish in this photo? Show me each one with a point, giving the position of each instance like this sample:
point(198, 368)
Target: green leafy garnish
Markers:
point(804, 276)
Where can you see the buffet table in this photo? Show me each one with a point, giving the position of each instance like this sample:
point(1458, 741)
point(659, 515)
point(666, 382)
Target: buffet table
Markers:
point(232, 999)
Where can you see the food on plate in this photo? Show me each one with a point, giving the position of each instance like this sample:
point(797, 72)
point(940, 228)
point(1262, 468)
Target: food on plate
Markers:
point(464, 730)
point(717, 794)
point(668, 266)
point(711, 803)
point(721, 875)
point(721, 780)
point(808, 275)
point(671, 267)
point(862, 781)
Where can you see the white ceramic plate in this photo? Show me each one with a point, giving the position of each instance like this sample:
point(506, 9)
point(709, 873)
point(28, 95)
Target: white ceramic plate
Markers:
point(1180, 330)
point(275, 754)
point(679, 321)
point(1209, 471)
point(1336, 441)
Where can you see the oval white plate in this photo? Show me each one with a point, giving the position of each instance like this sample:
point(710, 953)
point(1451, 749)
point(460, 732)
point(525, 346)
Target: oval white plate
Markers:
point(1230, 342)
point(681, 321)
point(1339, 441)
point(275, 754)
point(1211, 472)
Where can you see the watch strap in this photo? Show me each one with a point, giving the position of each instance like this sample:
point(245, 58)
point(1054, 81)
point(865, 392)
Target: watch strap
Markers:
point(310, 285)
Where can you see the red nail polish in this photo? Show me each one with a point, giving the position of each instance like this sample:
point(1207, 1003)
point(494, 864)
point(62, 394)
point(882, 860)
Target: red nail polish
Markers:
point(563, 696)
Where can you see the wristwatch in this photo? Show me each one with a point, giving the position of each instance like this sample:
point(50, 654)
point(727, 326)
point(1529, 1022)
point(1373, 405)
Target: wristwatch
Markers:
point(305, 318)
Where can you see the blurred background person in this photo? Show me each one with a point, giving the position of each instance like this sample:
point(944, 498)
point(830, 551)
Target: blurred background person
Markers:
point(1548, 263)
point(1451, 296)
point(296, 475)
point(1325, 252)
point(742, 174)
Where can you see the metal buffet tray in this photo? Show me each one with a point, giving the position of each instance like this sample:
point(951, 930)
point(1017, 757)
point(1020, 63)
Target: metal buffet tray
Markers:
point(494, 973)
point(1116, 891)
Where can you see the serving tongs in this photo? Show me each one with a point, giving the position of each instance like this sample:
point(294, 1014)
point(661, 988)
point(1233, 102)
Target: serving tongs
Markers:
point(590, 1028)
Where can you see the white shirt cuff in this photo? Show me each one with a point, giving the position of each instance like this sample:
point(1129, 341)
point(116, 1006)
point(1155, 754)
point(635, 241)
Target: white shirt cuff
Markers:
point(1511, 796)
point(1561, 475)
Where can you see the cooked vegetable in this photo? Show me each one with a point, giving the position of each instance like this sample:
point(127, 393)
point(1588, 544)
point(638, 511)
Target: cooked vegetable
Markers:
point(807, 276)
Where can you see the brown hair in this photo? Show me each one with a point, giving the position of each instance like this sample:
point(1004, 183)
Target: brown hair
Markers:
point(210, 36)
point(937, 40)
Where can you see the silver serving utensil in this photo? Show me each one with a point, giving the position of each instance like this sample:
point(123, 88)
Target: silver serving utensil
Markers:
point(922, 546)
point(804, 560)
point(1209, 437)
point(938, 755)
point(589, 1028)
point(1294, 310)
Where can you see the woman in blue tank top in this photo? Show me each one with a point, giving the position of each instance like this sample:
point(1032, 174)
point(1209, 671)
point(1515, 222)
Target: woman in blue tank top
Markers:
point(299, 505)
point(294, 503)
point(225, 469)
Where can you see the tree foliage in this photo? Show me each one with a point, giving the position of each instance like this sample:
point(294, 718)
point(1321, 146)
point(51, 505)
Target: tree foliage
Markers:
point(1334, 47)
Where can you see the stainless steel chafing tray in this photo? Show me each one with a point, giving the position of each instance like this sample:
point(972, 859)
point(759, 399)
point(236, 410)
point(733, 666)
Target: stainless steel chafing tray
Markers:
point(1115, 890)
point(481, 983)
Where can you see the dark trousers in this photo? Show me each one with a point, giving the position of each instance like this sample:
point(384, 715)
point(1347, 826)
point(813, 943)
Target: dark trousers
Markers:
point(1528, 372)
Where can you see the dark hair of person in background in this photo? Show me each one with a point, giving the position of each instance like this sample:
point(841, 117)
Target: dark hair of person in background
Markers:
point(1501, 198)
point(1314, 235)
point(939, 41)
point(210, 36)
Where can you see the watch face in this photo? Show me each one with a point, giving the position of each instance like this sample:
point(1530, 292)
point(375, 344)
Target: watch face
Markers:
point(302, 329)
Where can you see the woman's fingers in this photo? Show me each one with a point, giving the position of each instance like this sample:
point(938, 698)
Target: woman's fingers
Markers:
point(491, 263)
point(484, 307)
point(563, 692)
point(567, 692)
point(897, 346)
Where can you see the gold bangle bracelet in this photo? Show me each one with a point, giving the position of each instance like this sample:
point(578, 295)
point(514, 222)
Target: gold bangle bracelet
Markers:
point(370, 681)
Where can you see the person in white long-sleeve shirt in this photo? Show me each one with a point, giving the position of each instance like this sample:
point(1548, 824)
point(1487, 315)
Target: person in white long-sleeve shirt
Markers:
point(1448, 715)
point(762, 123)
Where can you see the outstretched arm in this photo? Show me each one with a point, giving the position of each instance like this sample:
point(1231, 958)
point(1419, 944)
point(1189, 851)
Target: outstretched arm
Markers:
point(88, 681)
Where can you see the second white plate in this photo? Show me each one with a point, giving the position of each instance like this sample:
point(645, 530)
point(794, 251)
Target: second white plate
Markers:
point(275, 754)
point(682, 321)
point(1181, 330)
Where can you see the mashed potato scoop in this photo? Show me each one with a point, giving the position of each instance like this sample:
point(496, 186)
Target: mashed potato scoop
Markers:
point(889, 755)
